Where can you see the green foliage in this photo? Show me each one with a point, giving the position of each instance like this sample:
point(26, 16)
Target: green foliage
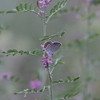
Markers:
point(44, 88)
point(47, 37)
point(35, 90)
point(13, 52)
point(71, 95)
point(93, 36)
point(96, 2)
point(2, 12)
point(64, 11)
point(27, 91)
point(70, 79)
point(22, 8)
point(68, 95)
point(56, 8)
point(57, 61)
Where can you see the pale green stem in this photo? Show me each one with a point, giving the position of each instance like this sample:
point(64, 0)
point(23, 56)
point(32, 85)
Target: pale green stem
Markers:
point(50, 77)
point(44, 28)
point(85, 69)
point(44, 23)
point(51, 85)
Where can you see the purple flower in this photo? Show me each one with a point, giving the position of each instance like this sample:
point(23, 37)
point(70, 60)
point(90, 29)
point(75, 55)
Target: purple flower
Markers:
point(35, 84)
point(4, 76)
point(46, 59)
point(43, 3)
point(41, 12)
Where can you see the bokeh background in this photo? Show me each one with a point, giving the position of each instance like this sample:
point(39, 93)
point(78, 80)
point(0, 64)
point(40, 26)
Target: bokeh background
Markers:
point(24, 32)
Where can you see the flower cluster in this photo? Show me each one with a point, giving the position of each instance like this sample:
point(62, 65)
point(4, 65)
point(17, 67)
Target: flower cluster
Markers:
point(43, 3)
point(46, 60)
point(41, 12)
point(35, 84)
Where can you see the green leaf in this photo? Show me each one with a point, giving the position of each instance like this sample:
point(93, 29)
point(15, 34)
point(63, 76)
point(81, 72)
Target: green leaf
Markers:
point(44, 88)
point(30, 8)
point(21, 6)
point(70, 78)
point(26, 6)
point(59, 81)
point(14, 52)
point(56, 8)
point(2, 12)
point(12, 11)
point(51, 11)
point(71, 95)
point(63, 11)
point(75, 79)
point(18, 8)
point(35, 89)
point(26, 52)
point(27, 91)
point(35, 8)
point(61, 4)
point(15, 93)
point(58, 61)
point(37, 52)
point(59, 34)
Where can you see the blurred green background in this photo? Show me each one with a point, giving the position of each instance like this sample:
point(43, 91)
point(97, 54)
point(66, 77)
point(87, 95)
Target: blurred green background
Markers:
point(24, 32)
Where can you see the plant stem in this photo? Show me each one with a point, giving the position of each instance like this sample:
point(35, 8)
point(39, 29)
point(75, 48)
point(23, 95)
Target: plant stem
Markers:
point(44, 23)
point(51, 85)
point(49, 74)
point(44, 28)
point(85, 69)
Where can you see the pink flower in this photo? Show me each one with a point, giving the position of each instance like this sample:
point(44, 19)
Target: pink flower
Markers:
point(46, 60)
point(42, 46)
point(44, 3)
point(35, 84)
point(41, 12)
point(4, 76)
